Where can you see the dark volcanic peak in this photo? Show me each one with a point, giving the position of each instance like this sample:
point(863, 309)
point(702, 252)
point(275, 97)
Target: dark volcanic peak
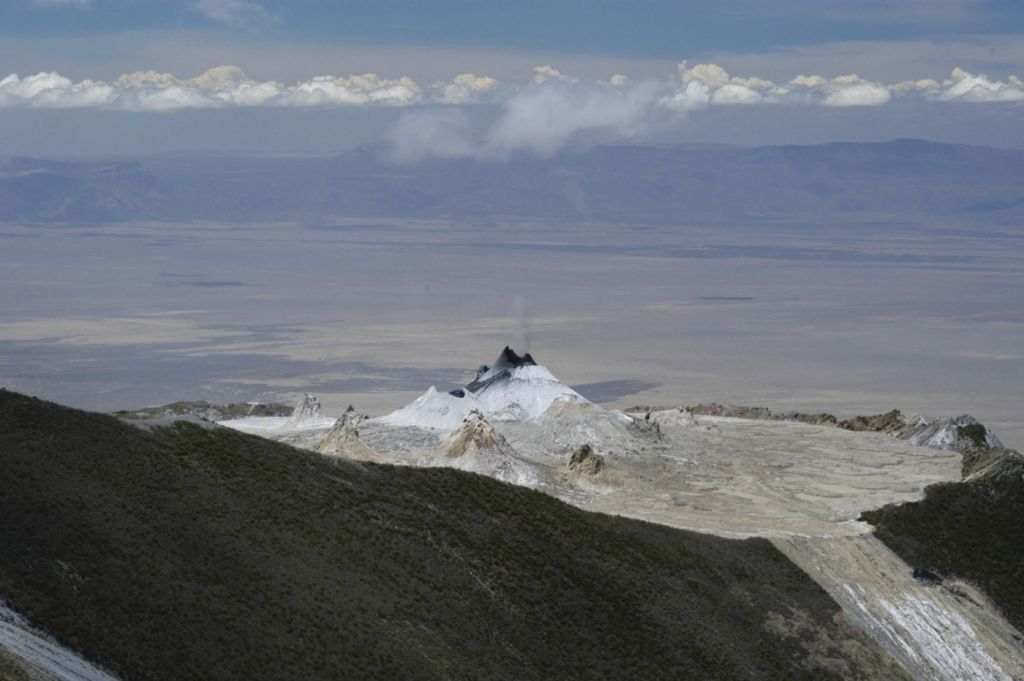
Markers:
point(507, 360)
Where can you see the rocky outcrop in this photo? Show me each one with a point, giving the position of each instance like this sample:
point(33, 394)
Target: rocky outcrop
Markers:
point(343, 439)
point(477, 447)
point(474, 436)
point(819, 419)
point(991, 462)
point(353, 417)
point(646, 427)
point(952, 434)
point(585, 461)
point(307, 411)
point(889, 422)
point(679, 417)
point(957, 434)
point(741, 412)
point(731, 410)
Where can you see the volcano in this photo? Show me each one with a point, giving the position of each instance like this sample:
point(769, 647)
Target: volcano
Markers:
point(513, 388)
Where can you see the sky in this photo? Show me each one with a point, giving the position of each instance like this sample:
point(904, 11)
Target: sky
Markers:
point(457, 78)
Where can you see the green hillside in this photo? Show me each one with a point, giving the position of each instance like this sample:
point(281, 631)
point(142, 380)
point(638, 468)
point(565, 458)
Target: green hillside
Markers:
point(192, 553)
point(973, 530)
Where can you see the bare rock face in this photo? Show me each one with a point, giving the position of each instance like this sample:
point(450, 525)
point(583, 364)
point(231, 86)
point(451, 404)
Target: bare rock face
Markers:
point(307, 411)
point(477, 447)
point(889, 422)
point(731, 410)
point(680, 417)
point(343, 439)
point(585, 461)
point(956, 434)
point(819, 419)
point(352, 417)
point(645, 427)
point(473, 436)
point(206, 411)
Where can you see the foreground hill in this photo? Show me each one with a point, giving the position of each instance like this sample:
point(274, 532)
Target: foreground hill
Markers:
point(201, 553)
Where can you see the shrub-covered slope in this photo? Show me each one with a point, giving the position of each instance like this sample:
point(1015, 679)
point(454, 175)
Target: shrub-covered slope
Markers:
point(188, 553)
point(973, 529)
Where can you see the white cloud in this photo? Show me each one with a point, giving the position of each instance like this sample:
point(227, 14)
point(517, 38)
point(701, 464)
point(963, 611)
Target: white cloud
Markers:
point(53, 91)
point(852, 91)
point(926, 85)
point(712, 75)
point(968, 87)
point(465, 88)
point(543, 119)
point(696, 94)
point(350, 91)
point(223, 86)
point(444, 133)
point(539, 119)
point(709, 84)
point(567, 105)
point(542, 74)
point(705, 84)
point(552, 109)
point(808, 81)
point(734, 93)
point(234, 13)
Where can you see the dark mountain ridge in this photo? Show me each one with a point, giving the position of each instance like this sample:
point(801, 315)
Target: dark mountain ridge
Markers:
point(904, 179)
point(192, 553)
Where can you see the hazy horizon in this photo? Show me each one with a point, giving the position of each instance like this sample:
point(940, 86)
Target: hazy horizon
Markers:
point(260, 198)
point(373, 312)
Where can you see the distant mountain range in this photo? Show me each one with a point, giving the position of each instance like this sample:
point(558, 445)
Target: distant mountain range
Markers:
point(903, 180)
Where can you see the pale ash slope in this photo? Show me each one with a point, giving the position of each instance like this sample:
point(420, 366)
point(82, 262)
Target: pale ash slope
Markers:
point(801, 485)
point(936, 631)
point(39, 658)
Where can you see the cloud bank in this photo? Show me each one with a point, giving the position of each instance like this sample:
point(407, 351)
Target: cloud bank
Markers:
point(691, 87)
point(539, 116)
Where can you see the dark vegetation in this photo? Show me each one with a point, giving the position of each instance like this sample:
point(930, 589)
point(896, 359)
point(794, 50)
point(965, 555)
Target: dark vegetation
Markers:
point(974, 433)
point(973, 530)
point(191, 553)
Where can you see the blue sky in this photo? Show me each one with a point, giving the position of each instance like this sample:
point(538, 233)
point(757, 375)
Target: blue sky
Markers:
point(644, 28)
point(912, 59)
point(638, 30)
